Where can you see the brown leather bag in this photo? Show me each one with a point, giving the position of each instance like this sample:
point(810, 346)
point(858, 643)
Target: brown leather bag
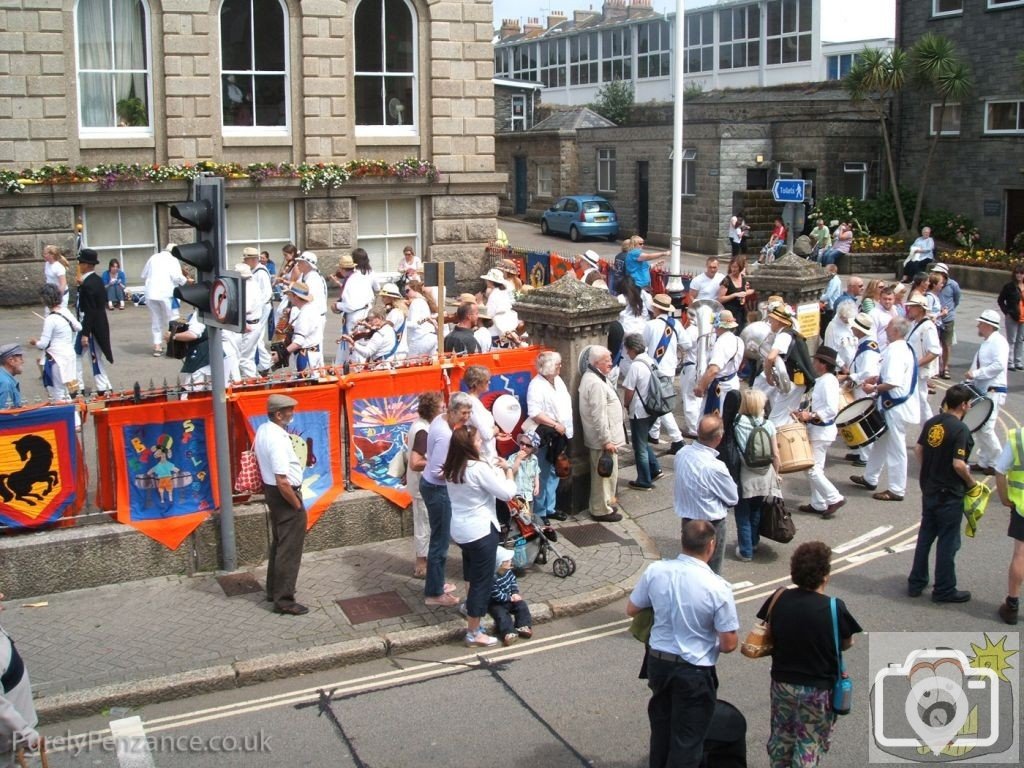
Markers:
point(759, 642)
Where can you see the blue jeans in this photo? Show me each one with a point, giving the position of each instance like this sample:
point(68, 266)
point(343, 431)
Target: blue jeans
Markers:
point(646, 462)
point(439, 513)
point(682, 703)
point(748, 520)
point(831, 256)
point(544, 503)
point(478, 570)
point(940, 519)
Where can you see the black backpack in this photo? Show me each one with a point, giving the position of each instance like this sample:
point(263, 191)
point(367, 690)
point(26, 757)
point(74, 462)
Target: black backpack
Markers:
point(798, 360)
point(758, 452)
point(661, 393)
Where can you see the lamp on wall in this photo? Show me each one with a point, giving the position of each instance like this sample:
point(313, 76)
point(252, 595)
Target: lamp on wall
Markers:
point(759, 159)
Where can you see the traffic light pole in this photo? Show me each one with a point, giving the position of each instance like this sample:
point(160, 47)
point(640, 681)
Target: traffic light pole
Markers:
point(220, 441)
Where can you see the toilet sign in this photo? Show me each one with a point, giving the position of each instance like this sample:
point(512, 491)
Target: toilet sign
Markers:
point(789, 190)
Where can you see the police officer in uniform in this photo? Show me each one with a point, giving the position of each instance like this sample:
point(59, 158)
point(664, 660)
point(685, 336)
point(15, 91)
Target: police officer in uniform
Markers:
point(1010, 485)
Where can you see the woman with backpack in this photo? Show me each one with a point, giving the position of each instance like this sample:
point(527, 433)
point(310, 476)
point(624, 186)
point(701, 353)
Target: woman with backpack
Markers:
point(759, 478)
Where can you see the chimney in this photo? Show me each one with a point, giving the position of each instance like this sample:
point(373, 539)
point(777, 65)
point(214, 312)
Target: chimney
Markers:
point(614, 9)
point(509, 28)
point(556, 18)
point(579, 17)
point(639, 8)
point(532, 27)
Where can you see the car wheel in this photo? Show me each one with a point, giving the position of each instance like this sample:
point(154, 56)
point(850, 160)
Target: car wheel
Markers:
point(544, 227)
point(574, 234)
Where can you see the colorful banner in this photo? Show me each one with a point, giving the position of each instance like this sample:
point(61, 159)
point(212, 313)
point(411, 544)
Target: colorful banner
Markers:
point(381, 406)
point(316, 437)
point(166, 467)
point(561, 266)
point(538, 268)
point(40, 466)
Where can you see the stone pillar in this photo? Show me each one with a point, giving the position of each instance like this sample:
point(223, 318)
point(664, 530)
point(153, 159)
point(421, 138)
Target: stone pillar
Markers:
point(568, 317)
point(797, 280)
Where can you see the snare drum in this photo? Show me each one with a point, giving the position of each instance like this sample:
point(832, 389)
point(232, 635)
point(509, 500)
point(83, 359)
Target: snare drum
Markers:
point(794, 449)
point(861, 423)
point(981, 409)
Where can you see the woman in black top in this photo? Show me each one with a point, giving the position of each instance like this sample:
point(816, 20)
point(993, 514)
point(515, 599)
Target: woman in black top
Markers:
point(733, 293)
point(1010, 302)
point(804, 662)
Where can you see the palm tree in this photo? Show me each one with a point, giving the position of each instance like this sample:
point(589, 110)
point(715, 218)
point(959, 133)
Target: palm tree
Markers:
point(939, 69)
point(876, 76)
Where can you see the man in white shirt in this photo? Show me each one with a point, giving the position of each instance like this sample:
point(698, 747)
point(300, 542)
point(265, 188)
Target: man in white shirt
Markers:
point(706, 285)
point(694, 621)
point(689, 344)
point(722, 373)
point(307, 341)
point(306, 263)
point(895, 386)
point(662, 336)
point(923, 338)
point(636, 387)
point(820, 419)
point(778, 378)
point(987, 376)
point(162, 274)
point(258, 312)
point(379, 347)
point(882, 314)
point(865, 364)
point(282, 489)
point(704, 489)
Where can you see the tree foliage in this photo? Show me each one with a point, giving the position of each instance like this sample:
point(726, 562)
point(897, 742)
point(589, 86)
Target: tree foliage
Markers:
point(614, 101)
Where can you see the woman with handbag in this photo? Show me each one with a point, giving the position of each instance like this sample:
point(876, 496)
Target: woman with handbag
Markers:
point(473, 487)
point(756, 482)
point(806, 662)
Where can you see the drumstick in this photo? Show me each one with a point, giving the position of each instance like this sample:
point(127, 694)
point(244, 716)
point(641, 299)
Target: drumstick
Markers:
point(39, 316)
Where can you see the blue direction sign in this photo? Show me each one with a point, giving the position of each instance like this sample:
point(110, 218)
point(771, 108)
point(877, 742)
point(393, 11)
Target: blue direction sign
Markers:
point(788, 190)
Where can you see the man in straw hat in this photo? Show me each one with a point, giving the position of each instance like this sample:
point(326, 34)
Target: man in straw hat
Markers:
point(787, 367)
point(895, 386)
point(820, 419)
point(923, 337)
point(262, 286)
point(588, 262)
point(865, 364)
point(949, 299)
point(357, 297)
point(282, 488)
point(722, 373)
point(307, 342)
point(662, 337)
point(987, 376)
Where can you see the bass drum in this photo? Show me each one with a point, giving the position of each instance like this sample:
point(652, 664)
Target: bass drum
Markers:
point(861, 423)
point(795, 453)
point(980, 412)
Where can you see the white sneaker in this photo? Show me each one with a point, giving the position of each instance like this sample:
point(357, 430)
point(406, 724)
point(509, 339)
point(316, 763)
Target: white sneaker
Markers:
point(740, 557)
point(480, 640)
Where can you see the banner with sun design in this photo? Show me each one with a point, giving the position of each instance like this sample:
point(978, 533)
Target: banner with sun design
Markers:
point(381, 406)
point(166, 468)
point(42, 476)
point(316, 437)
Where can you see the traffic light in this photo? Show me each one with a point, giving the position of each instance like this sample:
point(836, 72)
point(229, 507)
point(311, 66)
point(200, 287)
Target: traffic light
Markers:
point(204, 212)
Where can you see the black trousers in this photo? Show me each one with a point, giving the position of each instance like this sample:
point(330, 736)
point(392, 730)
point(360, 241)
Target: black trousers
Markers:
point(287, 536)
point(509, 616)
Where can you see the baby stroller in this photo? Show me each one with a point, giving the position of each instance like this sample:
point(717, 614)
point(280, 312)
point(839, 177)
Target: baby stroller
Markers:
point(531, 541)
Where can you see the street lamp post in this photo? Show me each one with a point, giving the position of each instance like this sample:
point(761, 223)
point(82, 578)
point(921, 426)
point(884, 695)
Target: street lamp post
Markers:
point(675, 281)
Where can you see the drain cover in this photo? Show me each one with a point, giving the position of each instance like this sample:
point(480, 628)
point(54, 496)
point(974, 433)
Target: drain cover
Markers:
point(235, 584)
point(383, 605)
point(589, 534)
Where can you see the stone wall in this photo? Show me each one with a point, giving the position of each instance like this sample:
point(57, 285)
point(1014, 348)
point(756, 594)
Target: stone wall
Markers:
point(552, 149)
point(972, 171)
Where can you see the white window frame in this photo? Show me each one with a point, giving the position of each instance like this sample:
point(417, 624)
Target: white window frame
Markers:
point(259, 239)
point(1004, 131)
point(752, 37)
point(502, 62)
point(107, 252)
point(525, 62)
point(520, 119)
point(937, 13)
point(407, 238)
point(259, 130)
point(619, 64)
point(689, 174)
point(606, 169)
point(782, 35)
point(858, 168)
point(996, 5)
point(552, 74)
point(412, 114)
point(654, 53)
point(585, 59)
point(119, 132)
point(545, 181)
point(703, 45)
point(951, 108)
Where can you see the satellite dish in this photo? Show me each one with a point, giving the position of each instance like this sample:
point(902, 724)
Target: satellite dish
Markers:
point(395, 109)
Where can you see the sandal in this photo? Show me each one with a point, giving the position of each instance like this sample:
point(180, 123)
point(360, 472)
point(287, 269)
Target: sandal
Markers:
point(945, 374)
point(886, 496)
point(447, 600)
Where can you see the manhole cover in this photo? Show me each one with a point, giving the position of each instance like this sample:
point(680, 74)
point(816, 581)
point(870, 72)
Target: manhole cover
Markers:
point(383, 605)
point(235, 584)
point(589, 535)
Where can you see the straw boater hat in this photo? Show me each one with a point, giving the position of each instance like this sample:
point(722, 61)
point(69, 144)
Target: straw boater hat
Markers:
point(250, 253)
point(663, 302)
point(309, 257)
point(991, 317)
point(826, 355)
point(781, 315)
point(916, 300)
point(390, 289)
point(591, 258)
point(300, 291)
point(509, 267)
point(726, 320)
point(494, 275)
point(864, 323)
point(346, 262)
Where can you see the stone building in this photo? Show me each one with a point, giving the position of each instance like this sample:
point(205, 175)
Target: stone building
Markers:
point(90, 82)
point(979, 163)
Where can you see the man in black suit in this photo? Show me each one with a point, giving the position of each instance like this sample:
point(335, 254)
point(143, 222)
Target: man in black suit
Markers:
point(92, 312)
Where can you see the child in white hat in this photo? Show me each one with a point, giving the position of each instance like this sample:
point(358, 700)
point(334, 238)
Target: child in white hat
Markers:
point(507, 607)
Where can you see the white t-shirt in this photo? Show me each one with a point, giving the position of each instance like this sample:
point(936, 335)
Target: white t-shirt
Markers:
point(707, 287)
point(472, 501)
point(638, 379)
point(54, 271)
point(275, 455)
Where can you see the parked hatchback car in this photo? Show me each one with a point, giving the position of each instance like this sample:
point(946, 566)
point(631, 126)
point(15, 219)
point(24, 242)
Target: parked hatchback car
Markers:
point(581, 216)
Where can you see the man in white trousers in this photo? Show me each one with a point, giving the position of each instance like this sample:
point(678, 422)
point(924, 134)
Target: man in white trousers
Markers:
point(661, 334)
point(866, 363)
point(688, 345)
point(162, 274)
point(261, 285)
point(923, 337)
point(987, 376)
point(895, 386)
point(820, 419)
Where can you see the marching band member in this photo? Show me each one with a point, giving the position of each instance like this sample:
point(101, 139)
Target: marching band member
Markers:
point(589, 262)
point(305, 264)
point(688, 343)
point(397, 315)
point(726, 357)
point(784, 378)
point(839, 333)
point(421, 322)
point(497, 300)
point(661, 334)
point(261, 284)
point(987, 376)
point(357, 296)
point(379, 346)
point(822, 432)
point(307, 341)
point(866, 363)
point(923, 337)
point(895, 385)
point(482, 332)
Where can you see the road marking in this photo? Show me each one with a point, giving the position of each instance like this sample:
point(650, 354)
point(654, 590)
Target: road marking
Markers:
point(130, 743)
point(741, 585)
point(854, 543)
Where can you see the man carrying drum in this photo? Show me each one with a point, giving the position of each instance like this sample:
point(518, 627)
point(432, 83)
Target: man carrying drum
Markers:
point(821, 431)
point(923, 337)
point(896, 387)
point(866, 363)
point(987, 376)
